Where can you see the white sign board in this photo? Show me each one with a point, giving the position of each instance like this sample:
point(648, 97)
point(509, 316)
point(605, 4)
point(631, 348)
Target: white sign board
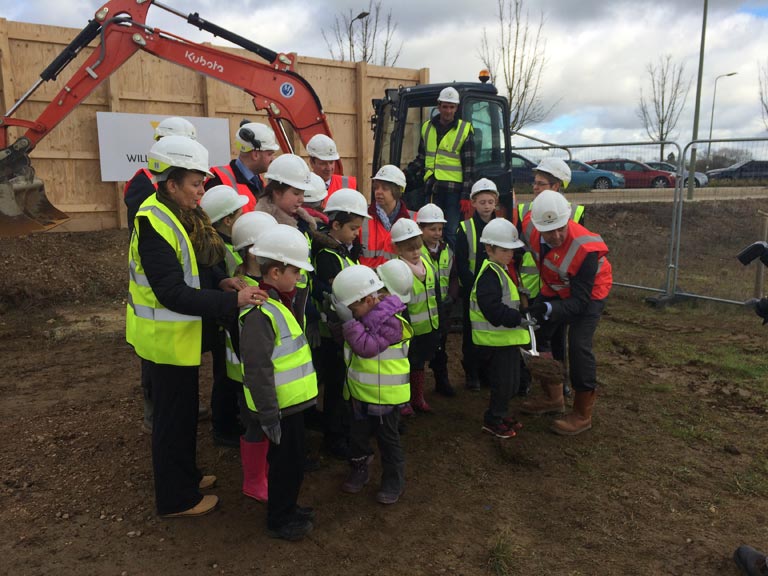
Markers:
point(125, 139)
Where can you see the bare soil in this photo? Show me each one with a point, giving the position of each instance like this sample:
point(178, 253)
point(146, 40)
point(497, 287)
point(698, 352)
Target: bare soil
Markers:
point(673, 476)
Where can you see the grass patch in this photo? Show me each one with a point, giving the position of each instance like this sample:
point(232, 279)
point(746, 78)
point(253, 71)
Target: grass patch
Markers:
point(754, 480)
point(502, 555)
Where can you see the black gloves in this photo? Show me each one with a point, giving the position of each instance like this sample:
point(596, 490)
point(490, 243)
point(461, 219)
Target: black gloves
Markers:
point(537, 310)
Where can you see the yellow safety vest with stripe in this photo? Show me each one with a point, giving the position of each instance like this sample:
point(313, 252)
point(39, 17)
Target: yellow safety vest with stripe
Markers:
point(344, 262)
point(232, 259)
point(483, 332)
point(304, 275)
point(470, 231)
point(383, 379)
point(156, 333)
point(443, 266)
point(422, 309)
point(443, 159)
point(234, 367)
point(529, 273)
point(295, 378)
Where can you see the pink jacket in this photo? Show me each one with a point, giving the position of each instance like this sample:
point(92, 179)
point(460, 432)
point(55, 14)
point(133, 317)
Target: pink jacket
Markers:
point(377, 330)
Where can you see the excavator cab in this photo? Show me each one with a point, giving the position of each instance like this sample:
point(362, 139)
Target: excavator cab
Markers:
point(397, 122)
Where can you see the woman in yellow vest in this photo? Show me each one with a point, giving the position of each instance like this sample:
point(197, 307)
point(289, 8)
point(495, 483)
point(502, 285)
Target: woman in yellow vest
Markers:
point(172, 307)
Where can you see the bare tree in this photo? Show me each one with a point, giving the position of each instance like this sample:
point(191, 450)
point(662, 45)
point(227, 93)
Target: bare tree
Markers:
point(519, 52)
point(762, 76)
point(373, 39)
point(669, 90)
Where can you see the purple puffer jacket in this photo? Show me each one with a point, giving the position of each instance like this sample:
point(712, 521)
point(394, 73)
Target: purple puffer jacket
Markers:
point(377, 330)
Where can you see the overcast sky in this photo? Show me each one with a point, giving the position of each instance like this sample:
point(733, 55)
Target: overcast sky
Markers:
point(597, 50)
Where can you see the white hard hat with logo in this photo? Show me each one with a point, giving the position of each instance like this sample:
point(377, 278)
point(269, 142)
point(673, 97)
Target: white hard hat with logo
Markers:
point(220, 201)
point(430, 214)
point(501, 232)
point(322, 147)
point(318, 192)
point(449, 95)
point(403, 229)
point(391, 173)
point(284, 244)
point(550, 211)
point(291, 170)
point(347, 200)
point(250, 226)
point(177, 152)
point(483, 185)
point(175, 126)
point(398, 279)
point(355, 283)
point(557, 168)
point(255, 136)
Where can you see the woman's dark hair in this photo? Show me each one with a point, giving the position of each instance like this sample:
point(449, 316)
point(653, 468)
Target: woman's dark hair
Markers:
point(177, 175)
point(274, 186)
point(341, 217)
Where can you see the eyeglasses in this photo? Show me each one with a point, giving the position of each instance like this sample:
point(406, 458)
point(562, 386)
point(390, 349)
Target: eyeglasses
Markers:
point(541, 183)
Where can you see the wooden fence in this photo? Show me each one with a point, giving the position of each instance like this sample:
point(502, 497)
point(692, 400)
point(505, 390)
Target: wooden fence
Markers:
point(67, 160)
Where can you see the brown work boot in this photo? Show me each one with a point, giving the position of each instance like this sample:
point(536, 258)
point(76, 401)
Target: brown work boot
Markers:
point(580, 420)
point(551, 403)
point(206, 505)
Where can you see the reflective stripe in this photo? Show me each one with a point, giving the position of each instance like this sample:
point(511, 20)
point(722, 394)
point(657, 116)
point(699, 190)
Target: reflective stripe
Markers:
point(483, 332)
point(443, 159)
point(186, 264)
point(422, 308)
point(345, 182)
point(159, 314)
point(383, 379)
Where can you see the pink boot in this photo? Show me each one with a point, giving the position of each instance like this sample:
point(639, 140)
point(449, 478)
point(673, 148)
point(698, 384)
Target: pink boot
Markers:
point(418, 401)
point(253, 457)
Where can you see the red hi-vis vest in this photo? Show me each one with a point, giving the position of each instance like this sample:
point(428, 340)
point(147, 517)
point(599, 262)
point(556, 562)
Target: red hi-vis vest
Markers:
point(228, 178)
point(376, 242)
point(562, 262)
point(146, 173)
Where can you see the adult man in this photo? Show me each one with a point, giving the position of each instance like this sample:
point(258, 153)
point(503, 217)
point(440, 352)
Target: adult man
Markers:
point(447, 158)
point(323, 155)
point(256, 145)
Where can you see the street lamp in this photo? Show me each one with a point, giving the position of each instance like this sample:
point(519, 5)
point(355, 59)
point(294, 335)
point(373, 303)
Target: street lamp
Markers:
point(360, 16)
point(712, 116)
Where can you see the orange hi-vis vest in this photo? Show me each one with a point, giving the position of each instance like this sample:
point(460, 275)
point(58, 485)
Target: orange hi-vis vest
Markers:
point(337, 183)
point(377, 244)
point(228, 178)
point(146, 173)
point(560, 263)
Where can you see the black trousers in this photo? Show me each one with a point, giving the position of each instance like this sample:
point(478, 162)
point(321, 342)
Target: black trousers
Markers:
point(174, 437)
point(286, 471)
point(331, 370)
point(224, 392)
point(421, 349)
point(385, 428)
point(439, 362)
point(468, 348)
point(499, 369)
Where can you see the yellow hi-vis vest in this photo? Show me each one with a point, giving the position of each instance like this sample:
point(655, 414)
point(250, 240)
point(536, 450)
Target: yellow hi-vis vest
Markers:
point(234, 367)
point(483, 332)
point(295, 378)
point(304, 275)
point(156, 333)
point(529, 273)
point(422, 309)
point(383, 379)
point(344, 262)
point(232, 259)
point(468, 227)
point(443, 160)
point(443, 266)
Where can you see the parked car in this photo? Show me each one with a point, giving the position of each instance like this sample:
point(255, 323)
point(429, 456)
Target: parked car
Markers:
point(522, 169)
point(744, 170)
point(586, 176)
point(699, 178)
point(636, 174)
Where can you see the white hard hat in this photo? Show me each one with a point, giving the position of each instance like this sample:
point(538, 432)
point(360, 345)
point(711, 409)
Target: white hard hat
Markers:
point(318, 192)
point(557, 168)
point(322, 147)
point(355, 283)
point(221, 201)
point(450, 95)
point(501, 232)
point(175, 126)
point(390, 173)
point(403, 229)
point(177, 152)
point(284, 244)
point(255, 136)
point(550, 211)
point(430, 214)
point(483, 185)
point(250, 226)
point(398, 279)
point(347, 200)
point(290, 169)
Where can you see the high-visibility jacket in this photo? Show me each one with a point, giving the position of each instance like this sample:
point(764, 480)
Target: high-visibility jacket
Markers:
point(443, 159)
point(422, 309)
point(344, 262)
point(470, 231)
point(564, 261)
point(232, 259)
point(376, 242)
point(146, 173)
point(228, 178)
point(529, 274)
point(442, 265)
point(338, 182)
point(156, 333)
point(294, 374)
point(483, 332)
point(383, 379)
point(234, 366)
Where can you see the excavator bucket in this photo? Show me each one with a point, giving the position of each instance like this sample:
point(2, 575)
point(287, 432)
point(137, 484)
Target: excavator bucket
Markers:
point(24, 207)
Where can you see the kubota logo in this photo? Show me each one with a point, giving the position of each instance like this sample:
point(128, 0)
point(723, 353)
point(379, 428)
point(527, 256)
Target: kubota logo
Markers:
point(203, 62)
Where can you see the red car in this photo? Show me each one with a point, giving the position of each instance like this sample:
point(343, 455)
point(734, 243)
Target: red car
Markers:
point(636, 174)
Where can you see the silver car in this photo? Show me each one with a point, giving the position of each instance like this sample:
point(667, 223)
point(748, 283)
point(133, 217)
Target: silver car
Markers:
point(699, 178)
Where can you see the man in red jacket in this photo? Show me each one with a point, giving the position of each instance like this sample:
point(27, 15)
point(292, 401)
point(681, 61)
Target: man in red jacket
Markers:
point(323, 155)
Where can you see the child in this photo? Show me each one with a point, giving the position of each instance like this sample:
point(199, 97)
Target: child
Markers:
point(496, 332)
point(431, 220)
point(423, 309)
point(470, 255)
point(376, 352)
point(313, 200)
point(334, 248)
point(224, 206)
point(279, 379)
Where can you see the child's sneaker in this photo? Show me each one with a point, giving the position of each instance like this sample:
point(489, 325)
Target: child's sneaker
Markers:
point(407, 411)
point(512, 423)
point(499, 430)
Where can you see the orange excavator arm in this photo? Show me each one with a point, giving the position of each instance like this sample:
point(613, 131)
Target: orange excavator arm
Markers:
point(275, 88)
